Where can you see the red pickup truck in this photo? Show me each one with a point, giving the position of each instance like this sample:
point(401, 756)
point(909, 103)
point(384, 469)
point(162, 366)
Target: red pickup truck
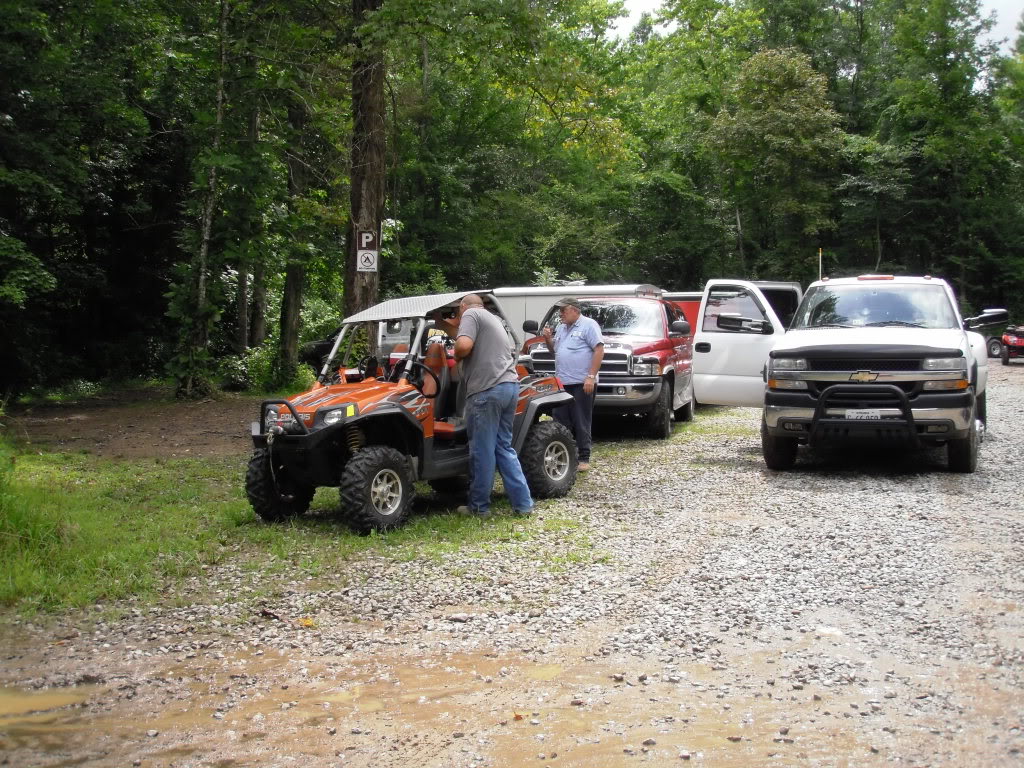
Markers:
point(647, 370)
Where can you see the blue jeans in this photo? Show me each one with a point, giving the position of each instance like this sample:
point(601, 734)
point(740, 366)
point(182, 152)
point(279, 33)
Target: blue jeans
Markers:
point(578, 416)
point(489, 417)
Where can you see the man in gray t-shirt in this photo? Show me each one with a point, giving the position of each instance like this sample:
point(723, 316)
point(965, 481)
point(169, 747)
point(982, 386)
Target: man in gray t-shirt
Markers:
point(492, 360)
point(487, 357)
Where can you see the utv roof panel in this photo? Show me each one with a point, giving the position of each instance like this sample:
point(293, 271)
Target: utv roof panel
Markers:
point(414, 306)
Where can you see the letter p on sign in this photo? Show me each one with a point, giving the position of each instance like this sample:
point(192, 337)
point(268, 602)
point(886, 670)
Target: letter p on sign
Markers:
point(367, 240)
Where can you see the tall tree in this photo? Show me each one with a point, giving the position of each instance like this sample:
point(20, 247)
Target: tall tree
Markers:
point(367, 170)
point(778, 140)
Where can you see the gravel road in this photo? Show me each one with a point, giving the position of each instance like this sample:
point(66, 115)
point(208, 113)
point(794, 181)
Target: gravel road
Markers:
point(682, 606)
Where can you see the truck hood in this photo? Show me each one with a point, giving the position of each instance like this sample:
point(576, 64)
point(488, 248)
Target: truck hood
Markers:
point(877, 338)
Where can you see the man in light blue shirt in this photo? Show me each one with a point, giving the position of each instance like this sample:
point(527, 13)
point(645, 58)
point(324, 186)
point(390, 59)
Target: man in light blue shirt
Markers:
point(579, 349)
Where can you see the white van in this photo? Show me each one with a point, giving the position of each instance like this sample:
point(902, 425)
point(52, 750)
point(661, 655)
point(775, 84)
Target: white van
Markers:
point(532, 302)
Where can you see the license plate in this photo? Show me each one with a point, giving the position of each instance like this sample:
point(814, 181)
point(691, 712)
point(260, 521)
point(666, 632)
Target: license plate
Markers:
point(863, 413)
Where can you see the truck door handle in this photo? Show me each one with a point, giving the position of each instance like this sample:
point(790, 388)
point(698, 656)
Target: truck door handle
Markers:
point(702, 346)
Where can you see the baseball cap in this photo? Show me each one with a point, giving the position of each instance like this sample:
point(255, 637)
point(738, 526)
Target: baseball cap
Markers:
point(568, 301)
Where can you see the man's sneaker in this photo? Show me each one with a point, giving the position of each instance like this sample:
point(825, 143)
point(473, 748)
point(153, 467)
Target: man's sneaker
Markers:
point(523, 512)
point(584, 466)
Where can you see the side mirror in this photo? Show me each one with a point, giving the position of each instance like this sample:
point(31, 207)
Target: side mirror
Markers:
point(680, 327)
point(987, 317)
point(531, 326)
point(738, 324)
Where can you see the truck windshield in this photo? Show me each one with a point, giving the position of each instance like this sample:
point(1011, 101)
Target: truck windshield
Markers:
point(633, 318)
point(917, 306)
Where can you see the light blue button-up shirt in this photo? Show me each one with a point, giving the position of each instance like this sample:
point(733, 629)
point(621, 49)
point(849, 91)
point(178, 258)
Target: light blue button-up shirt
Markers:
point(574, 349)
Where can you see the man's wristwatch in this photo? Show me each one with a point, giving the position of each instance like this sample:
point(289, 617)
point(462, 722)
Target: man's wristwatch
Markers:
point(590, 376)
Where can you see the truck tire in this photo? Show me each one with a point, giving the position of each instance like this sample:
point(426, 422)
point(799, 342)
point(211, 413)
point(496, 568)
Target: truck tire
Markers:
point(272, 495)
point(779, 452)
point(962, 454)
point(995, 347)
point(549, 460)
point(1005, 355)
point(376, 489)
point(658, 422)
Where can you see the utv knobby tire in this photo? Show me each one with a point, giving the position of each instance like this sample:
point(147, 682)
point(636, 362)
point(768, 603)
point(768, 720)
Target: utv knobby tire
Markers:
point(779, 452)
point(376, 489)
point(549, 460)
point(273, 496)
point(995, 348)
point(962, 454)
point(1005, 355)
point(658, 422)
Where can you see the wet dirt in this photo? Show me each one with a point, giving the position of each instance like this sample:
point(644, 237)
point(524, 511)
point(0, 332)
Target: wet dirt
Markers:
point(484, 709)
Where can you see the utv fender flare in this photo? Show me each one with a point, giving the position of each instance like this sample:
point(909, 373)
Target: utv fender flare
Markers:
point(534, 409)
point(406, 435)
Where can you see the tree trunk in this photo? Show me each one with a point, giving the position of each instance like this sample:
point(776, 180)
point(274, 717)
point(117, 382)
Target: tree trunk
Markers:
point(253, 229)
point(258, 306)
point(200, 327)
point(367, 192)
point(242, 307)
point(295, 271)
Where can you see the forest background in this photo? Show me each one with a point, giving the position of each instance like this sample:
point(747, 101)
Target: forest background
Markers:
point(176, 176)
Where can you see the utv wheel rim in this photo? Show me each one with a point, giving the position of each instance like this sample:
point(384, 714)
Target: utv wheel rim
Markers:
point(386, 492)
point(556, 460)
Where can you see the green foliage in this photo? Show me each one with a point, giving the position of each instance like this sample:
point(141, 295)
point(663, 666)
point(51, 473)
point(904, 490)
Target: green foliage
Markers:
point(523, 142)
point(21, 273)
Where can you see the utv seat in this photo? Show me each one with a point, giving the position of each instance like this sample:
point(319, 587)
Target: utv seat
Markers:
point(454, 427)
point(436, 359)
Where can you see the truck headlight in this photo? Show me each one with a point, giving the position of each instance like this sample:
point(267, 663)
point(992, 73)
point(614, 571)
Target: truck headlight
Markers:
point(646, 367)
point(786, 384)
point(787, 364)
point(954, 384)
point(944, 364)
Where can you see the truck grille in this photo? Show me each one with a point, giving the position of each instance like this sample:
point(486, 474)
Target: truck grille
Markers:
point(827, 364)
point(613, 364)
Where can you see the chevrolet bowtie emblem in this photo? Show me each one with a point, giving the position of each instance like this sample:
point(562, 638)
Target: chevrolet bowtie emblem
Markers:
point(863, 376)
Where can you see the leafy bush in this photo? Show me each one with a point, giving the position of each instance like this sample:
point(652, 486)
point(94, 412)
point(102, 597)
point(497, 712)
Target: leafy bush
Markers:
point(259, 370)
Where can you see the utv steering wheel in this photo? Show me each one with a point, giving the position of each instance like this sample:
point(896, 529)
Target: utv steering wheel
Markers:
point(419, 387)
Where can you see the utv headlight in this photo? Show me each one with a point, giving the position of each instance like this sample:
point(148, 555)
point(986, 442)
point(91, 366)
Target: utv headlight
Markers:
point(339, 412)
point(944, 364)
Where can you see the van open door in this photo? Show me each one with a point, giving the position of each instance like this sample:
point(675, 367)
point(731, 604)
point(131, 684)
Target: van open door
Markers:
point(736, 329)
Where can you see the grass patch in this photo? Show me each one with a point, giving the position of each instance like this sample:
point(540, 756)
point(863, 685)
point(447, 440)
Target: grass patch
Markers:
point(82, 390)
point(76, 529)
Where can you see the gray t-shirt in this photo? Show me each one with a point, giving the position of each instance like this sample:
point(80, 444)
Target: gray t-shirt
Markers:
point(493, 359)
